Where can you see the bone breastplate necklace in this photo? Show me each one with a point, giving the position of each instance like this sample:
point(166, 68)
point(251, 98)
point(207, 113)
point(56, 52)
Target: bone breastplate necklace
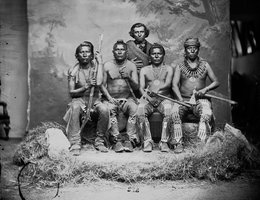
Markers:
point(193, 73)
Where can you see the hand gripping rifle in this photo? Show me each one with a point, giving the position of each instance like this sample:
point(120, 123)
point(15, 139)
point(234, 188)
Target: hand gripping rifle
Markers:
point(131, 89)
point(193, 98)
point(132, 92)
point(92, 90)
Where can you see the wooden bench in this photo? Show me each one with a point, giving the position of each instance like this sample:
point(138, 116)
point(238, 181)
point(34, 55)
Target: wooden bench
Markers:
point(189, 125)
point(155, 120)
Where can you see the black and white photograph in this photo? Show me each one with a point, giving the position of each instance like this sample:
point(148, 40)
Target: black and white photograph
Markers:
point(129, 99)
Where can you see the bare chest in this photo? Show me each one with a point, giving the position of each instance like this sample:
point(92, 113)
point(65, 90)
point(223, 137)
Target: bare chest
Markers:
point(153, 74)
point(114, 72)
point(84, 76)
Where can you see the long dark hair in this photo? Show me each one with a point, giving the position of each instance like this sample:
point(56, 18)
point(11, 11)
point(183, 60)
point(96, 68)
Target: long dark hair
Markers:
point(85, 44)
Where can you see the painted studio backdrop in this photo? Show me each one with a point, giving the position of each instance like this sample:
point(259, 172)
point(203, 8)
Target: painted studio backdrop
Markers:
point(56, 27)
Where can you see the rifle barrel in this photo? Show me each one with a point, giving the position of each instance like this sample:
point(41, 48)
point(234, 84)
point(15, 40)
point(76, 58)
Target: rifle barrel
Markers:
point(132, 92)
point(175, 101)
point(220, 98)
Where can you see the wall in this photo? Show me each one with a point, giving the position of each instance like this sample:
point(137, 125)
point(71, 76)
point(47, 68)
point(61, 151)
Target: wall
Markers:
point(14, 63)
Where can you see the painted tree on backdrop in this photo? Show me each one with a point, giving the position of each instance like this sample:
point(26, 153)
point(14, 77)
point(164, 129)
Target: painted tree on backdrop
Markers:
point(176, 19)
point(49, 83)
point(211, 10)
point(54, 20)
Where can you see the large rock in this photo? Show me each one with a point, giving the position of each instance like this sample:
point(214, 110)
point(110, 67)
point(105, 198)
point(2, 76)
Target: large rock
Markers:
point(57, 142)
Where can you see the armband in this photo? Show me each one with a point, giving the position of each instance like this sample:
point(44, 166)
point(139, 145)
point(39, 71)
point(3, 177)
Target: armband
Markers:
point(70, 77)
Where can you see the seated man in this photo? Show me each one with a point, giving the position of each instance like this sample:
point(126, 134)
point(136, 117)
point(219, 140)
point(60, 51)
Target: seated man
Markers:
point(157, 78)
point(189, 75)
point(119, 81)
point(81, 78)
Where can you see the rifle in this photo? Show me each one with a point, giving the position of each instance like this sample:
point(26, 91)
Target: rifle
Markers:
point(168, 98)
point(131, 90)
point(220, 98)
point(92, 90)
point(193, 98)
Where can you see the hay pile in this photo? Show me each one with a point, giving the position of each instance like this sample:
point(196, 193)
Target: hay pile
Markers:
point(224, 156)
point(34, 145)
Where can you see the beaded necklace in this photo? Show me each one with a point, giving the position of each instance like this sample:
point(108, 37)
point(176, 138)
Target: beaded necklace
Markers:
point(156, 75)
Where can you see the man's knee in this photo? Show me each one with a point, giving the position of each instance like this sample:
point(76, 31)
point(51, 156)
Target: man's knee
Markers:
point(175, 114)
point(175, 108)
point(102, 108)
point(205, 118)
point(140, 111)
point(206, 114)
point(132, 108)
point(140, 114)
point(167, 110)
point(75, 107)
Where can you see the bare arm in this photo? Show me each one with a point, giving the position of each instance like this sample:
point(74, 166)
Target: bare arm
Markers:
point(104, 84)
point(142, 80)
point(214, 81)
point(71, 85)
point(104, 89)
point(176, 82)
point(133, 79)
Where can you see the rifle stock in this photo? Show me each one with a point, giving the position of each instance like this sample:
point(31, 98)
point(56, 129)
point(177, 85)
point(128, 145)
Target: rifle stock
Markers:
point(170, 99)
point(88, 117)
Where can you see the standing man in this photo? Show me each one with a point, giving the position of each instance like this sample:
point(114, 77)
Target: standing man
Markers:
point(157, 78)
point(81, 78)
point(191, 75)
point(138, 49)
point(120, 78)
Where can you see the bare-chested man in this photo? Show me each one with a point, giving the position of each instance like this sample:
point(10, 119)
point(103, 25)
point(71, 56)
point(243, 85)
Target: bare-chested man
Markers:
point(157, 78)
point(120, 75)
point(81, 78)
point(189, 75)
